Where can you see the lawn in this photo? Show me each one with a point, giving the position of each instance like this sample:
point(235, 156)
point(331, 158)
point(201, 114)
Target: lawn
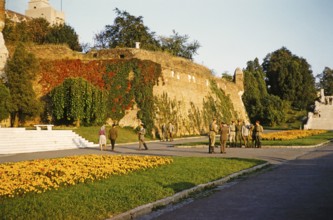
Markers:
point(116, 194)
point(125, 135)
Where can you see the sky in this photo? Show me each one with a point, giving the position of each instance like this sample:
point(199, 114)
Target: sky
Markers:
point(230, 32)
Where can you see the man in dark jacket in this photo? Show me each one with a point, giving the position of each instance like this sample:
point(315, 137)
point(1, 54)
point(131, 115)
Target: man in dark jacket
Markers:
point(113, 134)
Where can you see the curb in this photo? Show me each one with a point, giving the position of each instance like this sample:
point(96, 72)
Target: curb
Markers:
point(148, 208)
point(264, 147)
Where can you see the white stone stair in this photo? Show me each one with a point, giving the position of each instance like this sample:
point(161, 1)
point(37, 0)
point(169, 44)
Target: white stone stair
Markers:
point(325, 121)
point(20, 140)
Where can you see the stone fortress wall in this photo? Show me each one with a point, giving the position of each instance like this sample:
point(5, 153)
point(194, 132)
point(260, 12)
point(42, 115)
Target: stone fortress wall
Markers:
point(184, 80)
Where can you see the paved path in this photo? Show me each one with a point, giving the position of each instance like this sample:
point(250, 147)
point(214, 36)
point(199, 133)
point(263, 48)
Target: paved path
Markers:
point(298, 189)
point(272, 155)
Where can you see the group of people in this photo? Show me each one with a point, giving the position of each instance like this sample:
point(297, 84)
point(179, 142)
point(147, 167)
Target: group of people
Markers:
point(113, 134)
point(167, 132)
point(237, 133)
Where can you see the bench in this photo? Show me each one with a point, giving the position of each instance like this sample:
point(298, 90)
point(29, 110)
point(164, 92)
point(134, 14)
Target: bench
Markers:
point(48, 127)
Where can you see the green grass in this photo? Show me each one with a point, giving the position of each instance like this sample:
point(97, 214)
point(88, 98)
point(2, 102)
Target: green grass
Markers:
point(125, 135)
point(117, 194)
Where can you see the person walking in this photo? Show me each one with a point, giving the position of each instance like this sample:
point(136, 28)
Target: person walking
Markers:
point(102, 138)
point(171, 129)
point(113, 134)
point(164, 136)
point(224, 132)
point(212, 134)
point(141, 135)
point(257, 131)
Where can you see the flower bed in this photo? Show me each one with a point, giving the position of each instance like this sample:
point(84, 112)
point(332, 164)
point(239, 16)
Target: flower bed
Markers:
point(291, 134)
point(41, 175)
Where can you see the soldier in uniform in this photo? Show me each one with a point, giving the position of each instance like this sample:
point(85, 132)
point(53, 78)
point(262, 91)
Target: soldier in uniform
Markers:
point(257, 133)
point(141, 136)
point(224, 132)
point(212, 134)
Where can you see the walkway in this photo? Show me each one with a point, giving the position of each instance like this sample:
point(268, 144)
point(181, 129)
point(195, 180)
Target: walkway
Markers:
point(272, 155)
point(298, 189)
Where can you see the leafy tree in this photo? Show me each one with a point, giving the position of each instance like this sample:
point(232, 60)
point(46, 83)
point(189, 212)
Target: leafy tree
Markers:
point(38, 29)
point(255, 90)
point(20, 71)
point(16, 32)
point(177, 45)
point(4, 102)
point(326, 81)
point(76, 101)
point(260, 105)
point(126, 30)
point(290, 77)
point(63, 34)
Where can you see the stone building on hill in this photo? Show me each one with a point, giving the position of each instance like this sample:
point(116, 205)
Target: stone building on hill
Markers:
point(43, 9)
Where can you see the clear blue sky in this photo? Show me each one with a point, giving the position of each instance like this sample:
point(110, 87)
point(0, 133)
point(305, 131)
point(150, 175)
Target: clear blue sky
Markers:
point(231, 32)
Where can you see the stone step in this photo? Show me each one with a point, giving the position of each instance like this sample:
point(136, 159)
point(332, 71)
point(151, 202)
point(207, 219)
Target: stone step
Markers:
point(20, 140)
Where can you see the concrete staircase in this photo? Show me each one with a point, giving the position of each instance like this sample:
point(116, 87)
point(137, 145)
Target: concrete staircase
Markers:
point(20, 140)
point(324, 121)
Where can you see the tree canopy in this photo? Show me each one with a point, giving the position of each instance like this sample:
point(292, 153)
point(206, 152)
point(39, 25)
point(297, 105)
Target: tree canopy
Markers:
point(76, 100)
point(20, 72)
point(4, 102)
point(267, 108)
point(128, 29)
point(125, 31)
point(290, 77)
point(326, 81)
point(39, 31)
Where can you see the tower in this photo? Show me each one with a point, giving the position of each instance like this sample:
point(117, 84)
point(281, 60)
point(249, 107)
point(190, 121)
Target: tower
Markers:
point(43, 9)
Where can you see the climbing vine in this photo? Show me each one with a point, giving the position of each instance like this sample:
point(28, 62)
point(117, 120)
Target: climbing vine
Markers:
point(218, 105)
point(128, 82)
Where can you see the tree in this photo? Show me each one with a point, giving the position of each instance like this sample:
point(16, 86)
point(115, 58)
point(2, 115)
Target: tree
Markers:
point(260, 105)
point(76, 100)
point(290, 77)
point(126, 30)
point(64, 34)
point(4, 102)
point(326, 81)
point(38, 29)
point(255, 90)
point(177, 45)
point(20, 71)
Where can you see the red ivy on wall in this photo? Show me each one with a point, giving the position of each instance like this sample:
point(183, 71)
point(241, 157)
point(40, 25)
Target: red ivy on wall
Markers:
point(53, 73)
